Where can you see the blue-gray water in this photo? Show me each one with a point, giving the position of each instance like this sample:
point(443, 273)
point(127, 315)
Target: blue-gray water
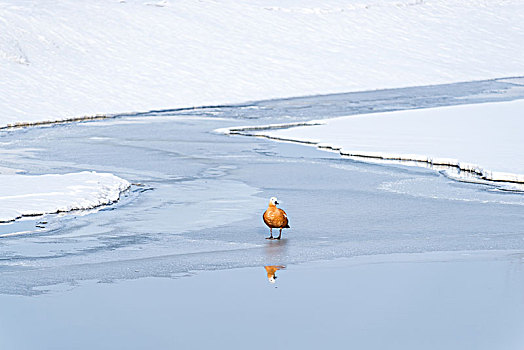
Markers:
point(198, 196)
point(432, 302)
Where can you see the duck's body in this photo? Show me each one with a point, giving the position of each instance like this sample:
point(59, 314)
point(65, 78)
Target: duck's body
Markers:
point(275, 218)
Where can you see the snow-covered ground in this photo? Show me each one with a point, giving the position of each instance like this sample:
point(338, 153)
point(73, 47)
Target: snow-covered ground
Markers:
point(22, 195)
point(485, 139)
point(61, 59)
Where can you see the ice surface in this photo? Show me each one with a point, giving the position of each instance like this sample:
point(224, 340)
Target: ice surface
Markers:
point(61, 59)
point(24, 195)
point(202, 195)
point(484, 139)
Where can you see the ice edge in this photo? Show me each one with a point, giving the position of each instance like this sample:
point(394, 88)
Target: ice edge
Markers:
point(469, 168)
point(111, 198)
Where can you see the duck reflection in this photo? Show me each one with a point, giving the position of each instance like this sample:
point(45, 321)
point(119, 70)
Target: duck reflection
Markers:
point(271, 270)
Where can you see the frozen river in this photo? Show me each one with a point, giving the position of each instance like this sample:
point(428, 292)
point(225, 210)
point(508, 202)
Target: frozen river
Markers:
point(198, 196)
point(378, 256)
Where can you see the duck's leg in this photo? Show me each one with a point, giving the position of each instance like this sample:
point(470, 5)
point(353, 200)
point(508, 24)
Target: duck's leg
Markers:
point(280, 234)
point(270, 233)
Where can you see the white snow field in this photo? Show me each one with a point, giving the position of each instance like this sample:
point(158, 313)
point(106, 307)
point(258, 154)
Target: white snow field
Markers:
point(62, 59)
point(23, 195)
point(485, 139)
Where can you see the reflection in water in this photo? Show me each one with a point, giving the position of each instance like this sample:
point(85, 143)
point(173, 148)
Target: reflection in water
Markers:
point(276, 255)
point(271, 270)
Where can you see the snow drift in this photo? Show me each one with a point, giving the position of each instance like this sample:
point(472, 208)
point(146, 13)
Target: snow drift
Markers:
point(24, 195)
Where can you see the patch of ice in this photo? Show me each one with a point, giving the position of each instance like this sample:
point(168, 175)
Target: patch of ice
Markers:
point(481, 139)
point(25, 195)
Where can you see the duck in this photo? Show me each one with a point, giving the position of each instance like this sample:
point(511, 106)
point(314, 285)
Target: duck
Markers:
point(275, 218)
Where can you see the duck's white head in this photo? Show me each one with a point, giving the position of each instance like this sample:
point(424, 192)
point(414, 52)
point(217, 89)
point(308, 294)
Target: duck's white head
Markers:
point(271, 279)
point(273, 201)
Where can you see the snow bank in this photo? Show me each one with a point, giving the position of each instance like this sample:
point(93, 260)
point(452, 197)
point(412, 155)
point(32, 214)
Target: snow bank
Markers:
point(62, 59)
point(23, 195)
point(484, 139)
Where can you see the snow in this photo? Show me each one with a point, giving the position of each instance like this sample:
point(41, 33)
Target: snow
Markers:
point(65, 59)
point(485, 139)
point(24, 195)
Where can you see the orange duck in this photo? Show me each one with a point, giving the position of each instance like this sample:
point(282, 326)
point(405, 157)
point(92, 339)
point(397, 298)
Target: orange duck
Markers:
point(275, 218)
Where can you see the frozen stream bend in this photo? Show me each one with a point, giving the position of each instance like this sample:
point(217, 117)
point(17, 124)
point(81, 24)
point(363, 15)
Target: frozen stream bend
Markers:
point(201, 194)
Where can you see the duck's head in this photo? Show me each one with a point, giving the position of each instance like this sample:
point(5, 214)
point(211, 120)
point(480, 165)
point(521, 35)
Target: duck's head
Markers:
point(273, 201)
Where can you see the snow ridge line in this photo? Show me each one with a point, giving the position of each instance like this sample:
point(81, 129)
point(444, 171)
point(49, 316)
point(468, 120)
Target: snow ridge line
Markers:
point(117, 115)
point(58, 121)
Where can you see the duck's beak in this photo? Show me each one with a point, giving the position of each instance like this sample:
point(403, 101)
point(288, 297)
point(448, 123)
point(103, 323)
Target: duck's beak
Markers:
point(276, 202)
